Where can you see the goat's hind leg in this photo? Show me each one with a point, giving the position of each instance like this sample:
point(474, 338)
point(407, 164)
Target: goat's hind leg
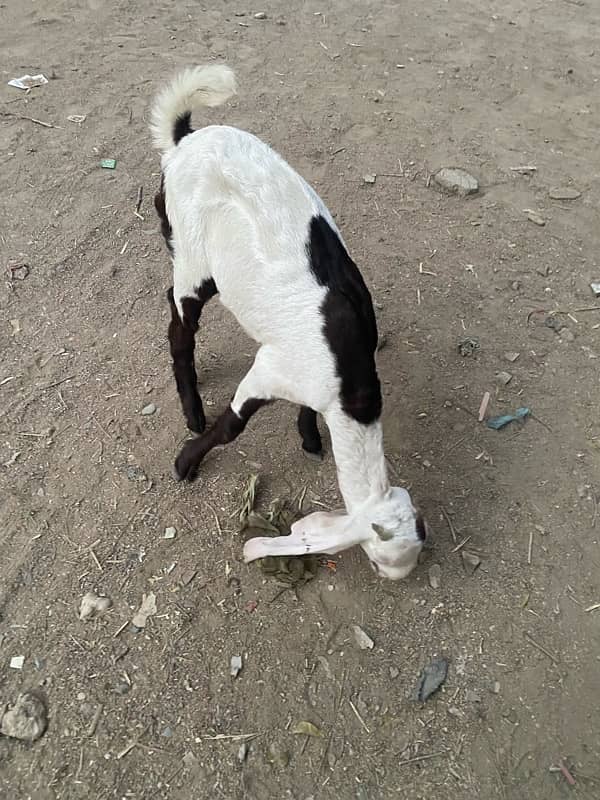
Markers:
point(253, 392)
point(182, 332)
point(309, 433)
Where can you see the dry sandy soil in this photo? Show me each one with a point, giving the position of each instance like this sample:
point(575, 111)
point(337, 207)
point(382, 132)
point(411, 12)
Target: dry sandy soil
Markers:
point(393, 89)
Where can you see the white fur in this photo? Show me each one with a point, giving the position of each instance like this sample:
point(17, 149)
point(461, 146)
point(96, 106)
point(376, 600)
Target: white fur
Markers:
point(240, 215)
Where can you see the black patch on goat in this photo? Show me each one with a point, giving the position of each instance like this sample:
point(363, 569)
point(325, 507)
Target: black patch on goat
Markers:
point(182, 127)
point(182, 333)
point(420, 526)
point(161, 209)
point(350, 327)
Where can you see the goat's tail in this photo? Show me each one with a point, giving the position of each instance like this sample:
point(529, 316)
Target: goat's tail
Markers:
point(209, 85)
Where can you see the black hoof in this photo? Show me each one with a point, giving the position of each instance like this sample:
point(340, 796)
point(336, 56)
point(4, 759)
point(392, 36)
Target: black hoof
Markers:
point(185, 469)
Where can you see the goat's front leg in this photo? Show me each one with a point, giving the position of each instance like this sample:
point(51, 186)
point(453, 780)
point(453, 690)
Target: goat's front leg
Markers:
point(182, 332)
point(252, 393)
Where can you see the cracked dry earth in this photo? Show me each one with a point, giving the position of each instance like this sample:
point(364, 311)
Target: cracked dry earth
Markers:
point(342, 90)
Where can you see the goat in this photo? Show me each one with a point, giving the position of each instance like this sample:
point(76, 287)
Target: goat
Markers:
point(241, 223)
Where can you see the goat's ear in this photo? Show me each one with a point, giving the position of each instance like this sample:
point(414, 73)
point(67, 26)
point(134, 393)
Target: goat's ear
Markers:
point(383, 534)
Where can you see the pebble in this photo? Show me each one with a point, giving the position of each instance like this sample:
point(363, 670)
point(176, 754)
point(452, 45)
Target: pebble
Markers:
point(595, 287)
point(235, 666)
point(189, 759)
point(92, 605)
point(369, 178)
point(394, 672)
point(456, 180)
point(470, 561)
point(564, 193)
point(567, 335)
point(472, 697)
point(534, 216)
point(277, 755)
point(242, 752)
point(435, 576)
point(170, 533)
point(260, 15)
point(148, 410)
point(362, 640)
point(467, 347)
point(432, 677)
point(26, 720)
point(17, 662)
point(503, 378)
point(512, 357)
point(496, 687)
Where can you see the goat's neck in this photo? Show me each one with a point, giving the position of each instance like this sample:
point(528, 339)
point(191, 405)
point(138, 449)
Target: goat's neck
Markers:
point(359, 458)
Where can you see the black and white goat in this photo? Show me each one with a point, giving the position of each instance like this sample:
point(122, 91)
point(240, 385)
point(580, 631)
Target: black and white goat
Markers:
point(241, 223)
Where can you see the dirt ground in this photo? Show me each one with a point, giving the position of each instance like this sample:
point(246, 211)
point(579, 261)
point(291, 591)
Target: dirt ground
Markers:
point(355, 88)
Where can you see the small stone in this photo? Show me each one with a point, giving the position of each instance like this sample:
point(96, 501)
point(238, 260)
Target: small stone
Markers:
point(544, 270)
point(362, 640)
point(242, 752)
point(516, 285)
point(394, 672)
point(122, 687)
point(567, 335)
point(136, 474)
point(468, 346)
point(535, 217)
point(512, 357)
point(190, 759)
point(277, 755)
point(503, 378)
point(564, 193)
point(456, 180)
point(496, 687)
point(148, 410)
point(470, 561)
point(167, 732)
point(17, 662)
point(260, 15)
point(92, 605)
point(235, 666)
point(435, 576)
point(147, 609)
point(81, 695)
point(595, 287)
point(170, 533)
point(369, 178)
point(26, 720)
point(431, 678)
point(472, 697)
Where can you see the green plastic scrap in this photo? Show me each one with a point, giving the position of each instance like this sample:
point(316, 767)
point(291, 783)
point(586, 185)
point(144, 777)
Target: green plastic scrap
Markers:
point(108, 163)
point(495, 423)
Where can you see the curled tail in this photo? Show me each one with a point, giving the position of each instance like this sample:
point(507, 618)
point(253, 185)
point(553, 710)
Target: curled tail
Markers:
point(209, 85)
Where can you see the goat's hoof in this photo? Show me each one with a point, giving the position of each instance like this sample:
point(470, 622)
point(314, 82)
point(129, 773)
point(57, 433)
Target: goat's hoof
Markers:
point(317, 457)
point(183, 469)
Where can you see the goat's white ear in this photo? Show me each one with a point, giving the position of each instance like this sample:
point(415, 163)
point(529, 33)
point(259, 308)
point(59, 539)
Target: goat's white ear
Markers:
point(383, 534)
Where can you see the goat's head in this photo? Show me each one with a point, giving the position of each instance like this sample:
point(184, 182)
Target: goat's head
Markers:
point(389, 529)
point(397, 534)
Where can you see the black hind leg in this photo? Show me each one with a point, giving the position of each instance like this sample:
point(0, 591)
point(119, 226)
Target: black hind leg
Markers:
point(309, 432)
